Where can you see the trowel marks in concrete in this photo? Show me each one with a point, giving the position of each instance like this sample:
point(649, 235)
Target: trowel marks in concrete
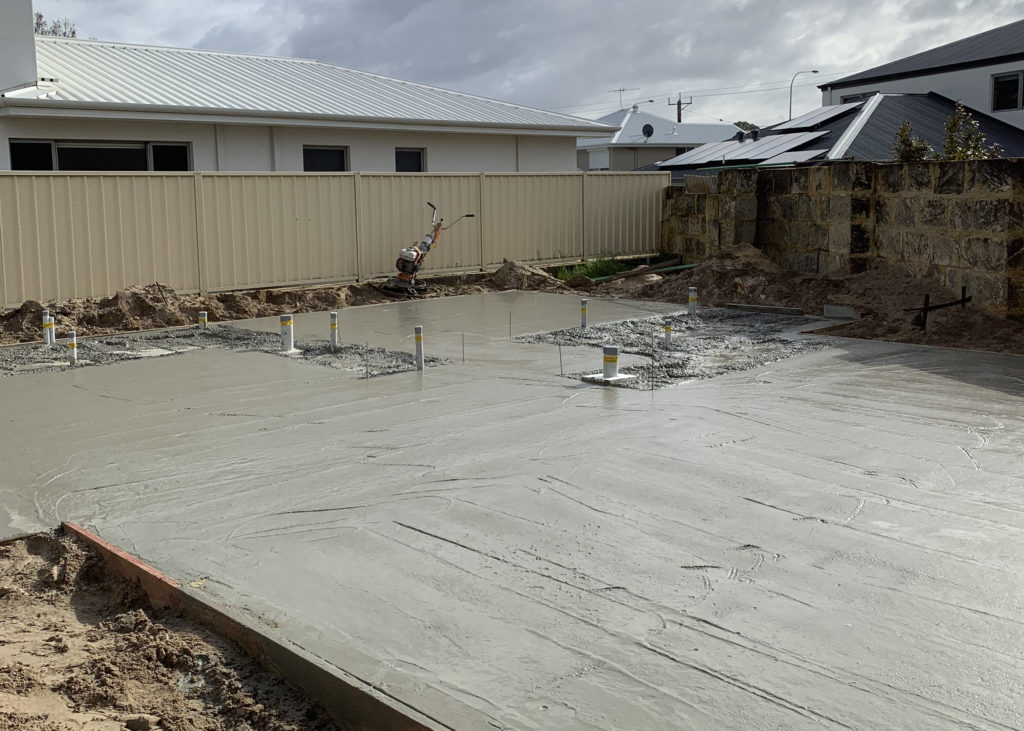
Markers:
point(362, 361)
point(705, 345)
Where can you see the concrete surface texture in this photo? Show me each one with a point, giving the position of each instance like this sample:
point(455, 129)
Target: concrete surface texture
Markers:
point(831, 540)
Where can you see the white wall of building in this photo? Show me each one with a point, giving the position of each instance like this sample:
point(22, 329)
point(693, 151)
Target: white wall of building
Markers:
point(256, 147)
point(971, 86)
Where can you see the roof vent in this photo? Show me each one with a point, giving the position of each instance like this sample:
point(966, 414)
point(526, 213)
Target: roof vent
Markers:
point(754, 134)
point(738, 136)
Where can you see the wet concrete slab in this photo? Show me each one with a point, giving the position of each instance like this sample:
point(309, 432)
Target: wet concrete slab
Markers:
point(830, 540)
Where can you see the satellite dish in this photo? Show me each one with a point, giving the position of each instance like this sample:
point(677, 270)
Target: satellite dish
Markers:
point(647, 130)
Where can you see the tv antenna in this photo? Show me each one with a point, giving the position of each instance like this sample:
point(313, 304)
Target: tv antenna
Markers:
point(613, 91)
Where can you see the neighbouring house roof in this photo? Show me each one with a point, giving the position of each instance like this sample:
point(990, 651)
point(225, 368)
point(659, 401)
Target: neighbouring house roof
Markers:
point(862, 130)
point(118, 76)
point(666, 133)
point(994, 46)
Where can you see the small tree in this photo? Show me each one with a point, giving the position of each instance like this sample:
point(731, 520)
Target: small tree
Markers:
point(62, 27)
point(964, 140)
point(909, 148)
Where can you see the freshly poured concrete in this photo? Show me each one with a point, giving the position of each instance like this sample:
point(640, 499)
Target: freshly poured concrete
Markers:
point(834, 539)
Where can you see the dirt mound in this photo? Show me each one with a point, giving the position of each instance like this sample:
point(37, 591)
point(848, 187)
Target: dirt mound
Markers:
point(515, 275)
point(87, 654)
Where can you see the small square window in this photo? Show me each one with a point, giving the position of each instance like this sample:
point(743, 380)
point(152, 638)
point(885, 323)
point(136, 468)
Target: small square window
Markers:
point(1006, 92)
point(170, 157)
point(409, 160)
point(325, 159)
point(31, 155)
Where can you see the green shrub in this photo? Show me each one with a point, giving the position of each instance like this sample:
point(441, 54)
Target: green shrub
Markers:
point(601, 266)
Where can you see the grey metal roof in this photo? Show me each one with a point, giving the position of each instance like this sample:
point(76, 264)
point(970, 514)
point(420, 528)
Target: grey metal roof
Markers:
point(998, 44)
point(927, 115)
point(862, 131)
point(817, 116)
point(95, 74)
point(666, 132)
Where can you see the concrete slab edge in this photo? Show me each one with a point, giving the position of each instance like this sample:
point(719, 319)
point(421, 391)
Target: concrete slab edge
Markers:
point(352, 705)
point(765, 309)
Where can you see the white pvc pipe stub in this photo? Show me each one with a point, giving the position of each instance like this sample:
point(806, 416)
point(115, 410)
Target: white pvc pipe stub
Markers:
point(693, 301)
point(583, 313)
point(203, 319)
point(49, 338)
point(418, 331)
point(72, 348)
point(287, 334)
point(610, 374)
point(668, 334)
point(334, 331)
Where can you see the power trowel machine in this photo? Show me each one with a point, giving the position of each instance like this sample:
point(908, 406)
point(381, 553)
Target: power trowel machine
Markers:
point(410, 259)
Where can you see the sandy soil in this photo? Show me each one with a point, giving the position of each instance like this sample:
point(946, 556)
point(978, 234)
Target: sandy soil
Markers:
point(80, 652)
point(739, 274)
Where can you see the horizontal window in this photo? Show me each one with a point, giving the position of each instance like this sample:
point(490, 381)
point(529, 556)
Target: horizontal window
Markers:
point(101, 156)
point(325, 159)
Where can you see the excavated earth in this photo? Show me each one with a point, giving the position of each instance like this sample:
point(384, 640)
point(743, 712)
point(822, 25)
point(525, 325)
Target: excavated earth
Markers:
point(738, 274)
point(81, 651)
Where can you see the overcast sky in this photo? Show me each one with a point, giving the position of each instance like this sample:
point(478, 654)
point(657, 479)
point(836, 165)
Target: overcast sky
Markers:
point(735, 57)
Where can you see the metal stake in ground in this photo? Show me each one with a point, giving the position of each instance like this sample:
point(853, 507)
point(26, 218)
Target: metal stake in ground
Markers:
point(287, 334)
point(334, 332)
point(693, 301)
point(73, 348)
point(419, 347)
point(583, 313)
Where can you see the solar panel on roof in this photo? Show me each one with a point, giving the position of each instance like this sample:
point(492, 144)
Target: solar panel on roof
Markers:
point(818, 116)
point(794, 156)
point(771, 146)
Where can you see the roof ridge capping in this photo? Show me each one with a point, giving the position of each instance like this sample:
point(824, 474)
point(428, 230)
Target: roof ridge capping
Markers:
point(175, 49)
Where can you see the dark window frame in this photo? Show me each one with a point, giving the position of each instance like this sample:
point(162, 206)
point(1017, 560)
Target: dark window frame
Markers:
point(57, 145)
point(422, 151)
point(1019, 77)
point(346, 167)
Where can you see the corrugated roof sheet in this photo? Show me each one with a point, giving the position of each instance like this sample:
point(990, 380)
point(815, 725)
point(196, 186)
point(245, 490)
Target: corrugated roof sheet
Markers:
point(997, 43)
point(115, 74)
point(666, 132)
point(927, 115)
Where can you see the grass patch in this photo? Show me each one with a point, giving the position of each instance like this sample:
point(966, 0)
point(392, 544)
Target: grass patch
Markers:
point(601, 266)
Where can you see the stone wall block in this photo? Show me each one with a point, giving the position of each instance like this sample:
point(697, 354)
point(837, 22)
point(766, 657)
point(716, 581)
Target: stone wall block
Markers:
point(951, 176)
point(945, 252)
point(726, 232)
point(842, 177)
point(798, 184)
point(863, 176)
point(839, 238)
point(860, 206)
point(988, 290)
point(919, 177)
point(930, 212)
point(1015, 254)
point(824, 208)
point(746, 208)
point(746, 232)
point(996, 176)
point(727, 207)
point(1015, 294)
point(738, 181)
point(917, 246)
point(860, 239)
point(840, 206)
point(983, 253)
point(888, 243)
point(891, 178)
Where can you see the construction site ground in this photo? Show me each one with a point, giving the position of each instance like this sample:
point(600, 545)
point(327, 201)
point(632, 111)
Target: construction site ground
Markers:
point(826, 537)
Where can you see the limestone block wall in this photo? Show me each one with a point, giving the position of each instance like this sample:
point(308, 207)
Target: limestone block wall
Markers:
point(960, 222)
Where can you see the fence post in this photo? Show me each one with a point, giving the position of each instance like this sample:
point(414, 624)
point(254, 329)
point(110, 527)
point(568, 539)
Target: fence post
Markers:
point(357, 225)
point(482, 220)
point(201, 274)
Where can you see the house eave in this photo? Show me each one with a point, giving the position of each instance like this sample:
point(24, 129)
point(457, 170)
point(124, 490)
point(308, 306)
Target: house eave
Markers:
point(867, 80)
point(34, 107)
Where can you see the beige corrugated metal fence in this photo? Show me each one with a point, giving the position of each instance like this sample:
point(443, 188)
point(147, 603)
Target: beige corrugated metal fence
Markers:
point(89, 234)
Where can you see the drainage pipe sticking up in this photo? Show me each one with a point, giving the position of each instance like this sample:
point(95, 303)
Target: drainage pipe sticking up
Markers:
point(419, 347)
point(693, 301)
point(668, 335)
point(287, 334)
point(202, 319)
point(49, 338)
point(583, 313)
point(72, 348)
point(334, 332)
point(611, 361)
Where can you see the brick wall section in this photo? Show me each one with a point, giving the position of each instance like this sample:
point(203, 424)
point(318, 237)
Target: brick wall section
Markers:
point(961, 222)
